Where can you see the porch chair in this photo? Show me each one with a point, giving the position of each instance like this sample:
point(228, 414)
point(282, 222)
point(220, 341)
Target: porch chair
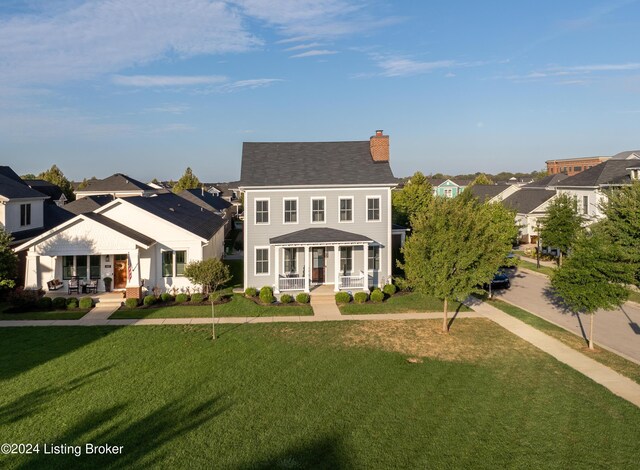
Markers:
point(92, 286)
point(74, 285)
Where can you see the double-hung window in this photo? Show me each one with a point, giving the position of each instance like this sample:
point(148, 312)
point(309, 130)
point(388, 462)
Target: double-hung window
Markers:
point(262, 211)
point(290, 211)
point(317, 210)
point(374, 258)
point(25, 215)
point(346, 209)
point(171, 259)
point(67, 267)
point(290, 265)
point(167, 263)
point(346, 260)
point(585, 205)
point(373, 209)
point(94, 267)
point(262, 260)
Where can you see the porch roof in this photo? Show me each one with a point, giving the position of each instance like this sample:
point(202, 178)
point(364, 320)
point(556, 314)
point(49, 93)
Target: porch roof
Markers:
point(319, 236)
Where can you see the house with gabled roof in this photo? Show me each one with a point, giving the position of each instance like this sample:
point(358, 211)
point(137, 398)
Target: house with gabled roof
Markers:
point(530, 205)
point(447, 187)
point(317, 213)
point(138, 241)
point(117, 185)
point(492, 192)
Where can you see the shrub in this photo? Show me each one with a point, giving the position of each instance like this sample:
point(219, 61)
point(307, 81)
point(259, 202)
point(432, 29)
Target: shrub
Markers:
point(72, 302)
point(197, 298)
point(389, 289)
point(377, 296)
point(86, 302)
point(24, 299)
point(131, 303)
point(343, 297)
point(251, 292)
point(45, 303)
point(303, 298)
point(149, 300)
point(166, 297)
point(59, 303)
point(181, 298)
point(286, 299)
point(360, 297)
point(266, 295)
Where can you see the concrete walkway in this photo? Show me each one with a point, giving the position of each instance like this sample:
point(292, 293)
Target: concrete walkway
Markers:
point(323, 303)
point(599, 373)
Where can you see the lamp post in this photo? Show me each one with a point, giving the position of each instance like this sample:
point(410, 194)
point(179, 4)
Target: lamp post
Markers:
point(538, 248)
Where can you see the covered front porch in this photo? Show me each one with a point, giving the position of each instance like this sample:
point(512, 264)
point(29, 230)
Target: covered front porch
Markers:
point(323, 256)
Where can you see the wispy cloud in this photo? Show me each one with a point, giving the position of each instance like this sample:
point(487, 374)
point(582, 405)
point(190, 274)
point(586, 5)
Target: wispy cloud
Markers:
point(313, 53)
point(598, 68)
point(399, 66)
point(573, 70)
point(300, 47)
point(250, 84)
point(168, 108)
point(146, 81)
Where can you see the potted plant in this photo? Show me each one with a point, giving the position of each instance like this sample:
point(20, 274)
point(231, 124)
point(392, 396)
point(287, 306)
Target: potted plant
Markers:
point(107, 284)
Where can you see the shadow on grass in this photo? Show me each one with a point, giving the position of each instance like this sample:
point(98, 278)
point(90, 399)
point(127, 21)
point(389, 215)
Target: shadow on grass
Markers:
point(325, 452)
point(454, 316)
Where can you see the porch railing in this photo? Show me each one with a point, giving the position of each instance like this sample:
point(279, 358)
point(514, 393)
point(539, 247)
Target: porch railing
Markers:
point(352, 282)
point(291, 283)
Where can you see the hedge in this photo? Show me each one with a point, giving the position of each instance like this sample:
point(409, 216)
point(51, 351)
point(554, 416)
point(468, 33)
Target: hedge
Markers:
point(303, 298)
point(377, 296)
point(360, 297)
point(131, 303)
point(149, 300)
point(286, 299)
point(343, 297)
point(86, 302)
point(181, 298)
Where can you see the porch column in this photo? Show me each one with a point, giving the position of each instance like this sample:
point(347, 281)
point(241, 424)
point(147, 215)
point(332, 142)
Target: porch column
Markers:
point(365, 250)
point(31, 279)
point(307, 269)
point(134, 289)
point(336, 268)
point(276, 269)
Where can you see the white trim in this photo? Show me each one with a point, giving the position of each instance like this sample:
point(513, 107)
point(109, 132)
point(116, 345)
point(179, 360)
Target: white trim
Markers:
point(307, 187)
point(284, 257)
point(318, 198)
point(366, 214)
point(353, 215)
point(255, 210)
point(284, 222)
point(255, 260)
point(389, 243)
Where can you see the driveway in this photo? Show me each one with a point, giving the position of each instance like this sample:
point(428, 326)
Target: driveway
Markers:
point(616, 329)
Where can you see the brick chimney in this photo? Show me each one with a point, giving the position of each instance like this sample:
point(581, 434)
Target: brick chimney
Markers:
point(379, 145)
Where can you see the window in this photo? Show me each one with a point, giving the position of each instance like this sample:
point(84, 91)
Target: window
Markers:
point(585, 205)
point(262, 260)
point(374, 258)
point(317, 210)
point(346, 209)
point(262, 211)
point(290, 265)
point(448, 192)
point(290, 211)
point(167, 263)
point(94, 267)
point(346, 260)
point(67, 267)
point(577, 168)
point(81, 267)
point(373, 209)
point(25, 215)
point(181, 261)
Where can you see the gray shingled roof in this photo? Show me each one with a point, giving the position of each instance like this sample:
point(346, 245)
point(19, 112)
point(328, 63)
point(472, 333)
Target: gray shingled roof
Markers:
point(180, 212)
point(525, 200)
point(319, 235)
point(88, 204)
point(612, 171)
point(311, 163)
point(120, 228)
point(46, 188)
point(486, 191)
point(117, 182)
point(52, 217)
point(12, 186)
point(550, 180)
point(624, 155)
point(206, 200)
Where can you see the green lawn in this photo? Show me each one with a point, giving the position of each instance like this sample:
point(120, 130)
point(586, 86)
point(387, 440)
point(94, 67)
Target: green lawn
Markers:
point(239, 306)
point(401, 303)
point(546, 270)
point(236, 268)
point(328, 395)
point(609, 359)
point(55, 315)
point(634, 296)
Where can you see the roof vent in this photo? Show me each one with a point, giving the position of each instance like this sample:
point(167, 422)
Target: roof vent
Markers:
point(172, 209)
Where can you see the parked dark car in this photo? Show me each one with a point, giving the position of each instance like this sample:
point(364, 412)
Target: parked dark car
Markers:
point(499, 281)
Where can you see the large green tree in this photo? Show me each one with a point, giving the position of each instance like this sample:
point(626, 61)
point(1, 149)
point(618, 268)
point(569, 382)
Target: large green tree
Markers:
point(187, 181)
point(54, 175)
point(481, 179)
point(412, 199)
point(8, 262)
point(561, 225)
point(595, 276)
point(456, 246)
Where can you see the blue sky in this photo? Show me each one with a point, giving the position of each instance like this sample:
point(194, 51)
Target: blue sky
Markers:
point(152, 86)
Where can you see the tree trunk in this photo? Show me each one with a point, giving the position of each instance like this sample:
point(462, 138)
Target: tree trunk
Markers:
point(445, 322)
point(560, 259)
point(213, 323)
point(591, 331)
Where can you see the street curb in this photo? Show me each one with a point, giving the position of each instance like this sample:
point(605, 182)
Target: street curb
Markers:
point(535, 273)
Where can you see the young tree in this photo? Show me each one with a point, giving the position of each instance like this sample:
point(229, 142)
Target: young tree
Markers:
point(594, 276)
point(561, 225)
point(8, 262)
point(54, 175)
point(412, 199)
point(187, 181)
point(481, 179)
point(456, 246)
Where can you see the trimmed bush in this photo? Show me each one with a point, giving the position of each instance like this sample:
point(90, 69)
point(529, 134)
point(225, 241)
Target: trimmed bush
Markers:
point(266, 295)
point(389, 289)
point(303, 298)
point(131, 303)
point(343, 297)
point(166, 297)
point(149, 300)
point(24, 299)
point(286, 299)
point(72, 302)
point(86, 302)
point(45, 303)
point(377, 296)
point(181, 298)
point(360, 297)
point(197, 298)
point(251, 292)
point(59, 303)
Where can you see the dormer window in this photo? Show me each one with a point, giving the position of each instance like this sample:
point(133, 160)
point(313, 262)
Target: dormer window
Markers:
point(25, 215)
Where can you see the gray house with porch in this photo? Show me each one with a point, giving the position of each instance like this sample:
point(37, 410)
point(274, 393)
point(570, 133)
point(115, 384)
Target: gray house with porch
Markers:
point(317, 213)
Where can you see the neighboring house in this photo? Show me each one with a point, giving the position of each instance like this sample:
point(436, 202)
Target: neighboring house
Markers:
point(573, 166)
point(448, 187)
point(56, 196)
point(317, 213)
point(590, 187)
point(530, 205)
point(230, 192)
point(493, 192)
point(215, 204)
point(137, 241)
point(117, 185)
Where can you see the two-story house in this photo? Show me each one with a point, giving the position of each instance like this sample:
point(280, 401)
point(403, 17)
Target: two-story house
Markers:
point(317, 213)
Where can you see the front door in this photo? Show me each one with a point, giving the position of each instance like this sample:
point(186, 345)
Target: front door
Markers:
point(317, 273)
point(120, 271)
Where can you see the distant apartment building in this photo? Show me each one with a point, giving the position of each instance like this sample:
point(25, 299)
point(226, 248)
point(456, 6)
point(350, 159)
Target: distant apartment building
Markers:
point(573, 166)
